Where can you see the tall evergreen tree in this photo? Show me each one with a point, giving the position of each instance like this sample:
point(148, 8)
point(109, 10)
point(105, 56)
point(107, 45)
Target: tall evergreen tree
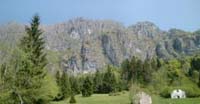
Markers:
point(109, 81)
point(65, 86)
point(125, 66)
point(58, 78)
point(159, 64)
point(33, 45)
point(153, 63)
point(134, 66)
point(87, 87)
point(138, 71)
point(147, 71)
point(2, 73)
point(195, 65)
point(75, 86)
point(60, 95)
point(97, 81)
point(26, 71)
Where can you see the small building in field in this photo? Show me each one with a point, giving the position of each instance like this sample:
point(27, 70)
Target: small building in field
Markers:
point(178, 94)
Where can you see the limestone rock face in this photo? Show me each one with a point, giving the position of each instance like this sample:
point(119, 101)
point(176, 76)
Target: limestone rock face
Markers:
point(143, 98)
point(84, 45)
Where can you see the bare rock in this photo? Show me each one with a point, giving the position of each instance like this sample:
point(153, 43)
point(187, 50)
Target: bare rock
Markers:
point(143, 98)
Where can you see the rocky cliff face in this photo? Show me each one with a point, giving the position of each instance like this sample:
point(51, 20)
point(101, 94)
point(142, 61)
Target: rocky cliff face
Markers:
point(84, 45)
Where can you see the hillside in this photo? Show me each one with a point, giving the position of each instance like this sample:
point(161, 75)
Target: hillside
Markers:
point(82, 45)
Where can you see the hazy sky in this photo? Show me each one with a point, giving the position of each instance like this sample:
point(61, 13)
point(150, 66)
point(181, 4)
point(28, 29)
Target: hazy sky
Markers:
point(182, 14)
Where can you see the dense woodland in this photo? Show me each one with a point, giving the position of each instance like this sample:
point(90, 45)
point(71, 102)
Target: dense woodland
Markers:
point(24, 77)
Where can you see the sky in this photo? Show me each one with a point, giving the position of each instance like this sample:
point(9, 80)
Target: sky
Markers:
point(181, 14)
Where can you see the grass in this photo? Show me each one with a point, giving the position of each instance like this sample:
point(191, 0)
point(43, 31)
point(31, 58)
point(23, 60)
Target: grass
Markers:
point(159, 100)
point(99, 99)
point(124, 99)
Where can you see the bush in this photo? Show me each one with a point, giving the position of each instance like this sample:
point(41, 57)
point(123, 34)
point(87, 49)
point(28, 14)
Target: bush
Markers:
point(58, 97)
point(72, 100)
point(41, 101)
point(166, 92)
point(114, 94)
point(192, 92)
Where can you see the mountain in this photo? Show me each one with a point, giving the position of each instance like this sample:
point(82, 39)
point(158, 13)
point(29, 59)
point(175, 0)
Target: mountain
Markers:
point(83, 45)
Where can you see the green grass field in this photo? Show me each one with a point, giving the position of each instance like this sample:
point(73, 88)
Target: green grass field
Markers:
point(100, 99)
point(124, 99)
point(159, 100)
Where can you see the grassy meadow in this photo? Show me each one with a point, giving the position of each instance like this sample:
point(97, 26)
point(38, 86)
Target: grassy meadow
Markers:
point(123, 98)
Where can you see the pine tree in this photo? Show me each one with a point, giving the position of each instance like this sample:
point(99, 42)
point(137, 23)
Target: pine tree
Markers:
point(138, 71)
point(75, 86)
point(147, 72)
point(97, 81)
point(33, 45)
point(109, 81)
point(195, 65)
point(26, 71)
point(135, 66)
point(2, 73)
point(58, 78)
point(153, 63)
point(126, 70)
point(65, 86)
point(87, 88)
point(159, 64)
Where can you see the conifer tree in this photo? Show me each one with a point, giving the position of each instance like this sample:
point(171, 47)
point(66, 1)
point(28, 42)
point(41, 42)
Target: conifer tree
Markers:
point(58, 78)
point(147, 71)
point(195, 64)
point(138, 71)
point(126, 70)
point(159, 64)
point(75, 86)
point(33, 45)
point(153, 63)
point(97, 81)
point(26, 69)
point(109, 81)
point(65, 86)
point(87, 88)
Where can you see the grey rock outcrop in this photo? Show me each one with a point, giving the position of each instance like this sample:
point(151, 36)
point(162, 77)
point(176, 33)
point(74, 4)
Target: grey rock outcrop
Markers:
point(83, 45)
point(143, 98)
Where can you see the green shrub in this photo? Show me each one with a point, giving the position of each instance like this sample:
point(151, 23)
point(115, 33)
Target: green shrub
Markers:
point(166, 92)
point(72, 100)
point(192, 92)
point(114, 94)
point(59, 97)
point(41, 101)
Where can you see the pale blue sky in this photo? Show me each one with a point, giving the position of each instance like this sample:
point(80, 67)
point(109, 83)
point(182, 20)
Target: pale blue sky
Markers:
point(182, 14)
